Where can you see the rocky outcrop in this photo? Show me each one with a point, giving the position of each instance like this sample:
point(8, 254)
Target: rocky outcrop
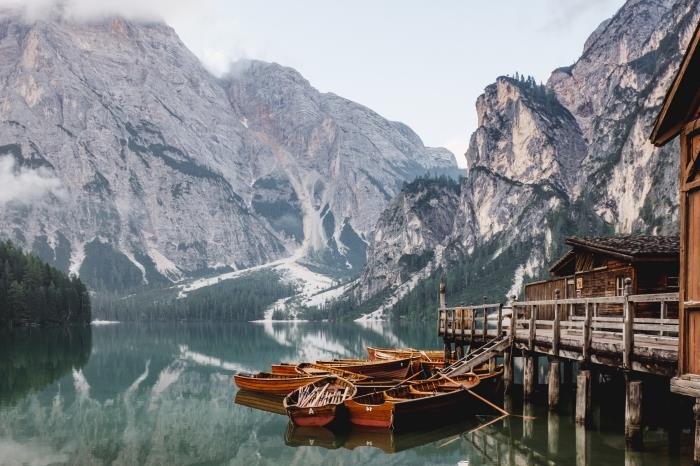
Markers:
point(166, 171)
point(571, 156)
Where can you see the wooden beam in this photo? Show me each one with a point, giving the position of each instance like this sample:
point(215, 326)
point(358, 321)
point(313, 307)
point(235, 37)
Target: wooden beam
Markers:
point(628, 330)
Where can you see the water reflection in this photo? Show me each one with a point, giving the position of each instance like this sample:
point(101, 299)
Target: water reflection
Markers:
point(31, 358)
point(162, 394)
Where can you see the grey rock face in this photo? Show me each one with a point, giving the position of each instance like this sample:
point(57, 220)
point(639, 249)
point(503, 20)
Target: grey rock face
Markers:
point(572, 156)
point(410, 234)
point(174, 171)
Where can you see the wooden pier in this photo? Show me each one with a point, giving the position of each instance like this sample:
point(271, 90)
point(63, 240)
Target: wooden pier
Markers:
point(573, 330)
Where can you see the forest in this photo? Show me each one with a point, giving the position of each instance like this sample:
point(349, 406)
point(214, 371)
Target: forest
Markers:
point(242, 299)
point(34, 293)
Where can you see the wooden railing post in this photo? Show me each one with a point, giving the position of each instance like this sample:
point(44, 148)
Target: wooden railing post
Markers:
point(556, 328)
point(533, 317)
point(472, 325)
point(628, 328)
point(499, 323)
point(586, 344)
point(664, 312)
point(486, 324)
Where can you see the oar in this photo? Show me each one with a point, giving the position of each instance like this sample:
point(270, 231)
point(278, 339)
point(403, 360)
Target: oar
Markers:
point(484, 400)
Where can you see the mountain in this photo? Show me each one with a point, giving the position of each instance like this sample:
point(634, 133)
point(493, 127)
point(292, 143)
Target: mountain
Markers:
point(550, 160)
point(145, 169)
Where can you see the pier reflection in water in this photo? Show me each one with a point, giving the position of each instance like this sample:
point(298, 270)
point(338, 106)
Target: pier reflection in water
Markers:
point(162, 394)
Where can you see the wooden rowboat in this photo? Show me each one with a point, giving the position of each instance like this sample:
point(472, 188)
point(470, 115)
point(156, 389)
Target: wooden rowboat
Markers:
point(310, 368)
point(276, 384)
point(284, 368)
point(412, 405)
point(390, 369)
point(318, 403)
point(376, 354)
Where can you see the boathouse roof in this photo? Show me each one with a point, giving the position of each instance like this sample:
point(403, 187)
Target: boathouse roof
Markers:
point(682, 97)
point(627, 247)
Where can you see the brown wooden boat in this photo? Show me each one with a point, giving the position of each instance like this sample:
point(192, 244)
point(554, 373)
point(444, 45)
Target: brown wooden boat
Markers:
point(376, 354)
point(317, 404)
point(262, 401)
point(284, 368)
point(277, 384)
point(389, 369)
point(310, 368)
point(412, 405)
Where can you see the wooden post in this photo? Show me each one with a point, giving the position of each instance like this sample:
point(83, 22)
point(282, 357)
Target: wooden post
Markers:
point(633, 413)
point(499, 323)
point(696, 448)
point(533, 317)
point(587, 335)
point(448, 352)
point(508, 370)
point(529, 375)
point(553, 434)
point(628, 329)
point(528, 421)
point(492, 365)
point(664, 312)
point(581, 446)
point(486, 323)
point(472, 324)
point(443, 294)
point(556, 328)
point(553, 383)
point(459, 350)
point(583, 397)
point(513, 322)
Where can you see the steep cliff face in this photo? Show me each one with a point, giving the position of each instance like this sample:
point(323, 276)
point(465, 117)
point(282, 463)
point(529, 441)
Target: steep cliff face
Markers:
point(571, 156)
point(410, 234)
point(164, 171)
point(343, 161)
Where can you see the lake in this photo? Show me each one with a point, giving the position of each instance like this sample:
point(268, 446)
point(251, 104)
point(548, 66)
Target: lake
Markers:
point(129, 393)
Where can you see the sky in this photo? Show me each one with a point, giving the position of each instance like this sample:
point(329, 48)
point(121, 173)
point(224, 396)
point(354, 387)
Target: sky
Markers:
point(420, 62)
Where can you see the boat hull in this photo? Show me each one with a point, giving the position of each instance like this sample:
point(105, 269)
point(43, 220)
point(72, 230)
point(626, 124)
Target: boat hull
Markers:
point(274, 385)
point(312, 417)
point(389, 369)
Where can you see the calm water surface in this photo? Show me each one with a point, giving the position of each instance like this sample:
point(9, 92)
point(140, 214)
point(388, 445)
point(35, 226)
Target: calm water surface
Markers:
point(128, 394)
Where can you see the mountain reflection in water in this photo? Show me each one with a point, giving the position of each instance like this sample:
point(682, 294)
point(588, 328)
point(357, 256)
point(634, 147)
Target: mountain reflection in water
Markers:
point(156, 394)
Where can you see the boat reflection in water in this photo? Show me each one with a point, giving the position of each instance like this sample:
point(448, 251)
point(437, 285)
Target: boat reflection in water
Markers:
point(352, 438)
point(386, 440)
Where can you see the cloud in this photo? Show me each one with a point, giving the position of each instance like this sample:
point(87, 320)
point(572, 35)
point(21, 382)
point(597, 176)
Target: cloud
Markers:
point(25, 185)
point(566, 14)
point(92, 9)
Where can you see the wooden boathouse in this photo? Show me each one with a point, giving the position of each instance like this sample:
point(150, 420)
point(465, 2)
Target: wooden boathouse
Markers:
point(680, 117)
point(597, 267)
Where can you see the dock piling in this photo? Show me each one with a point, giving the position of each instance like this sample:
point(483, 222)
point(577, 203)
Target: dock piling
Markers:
point(696, 448)
point(529, 375)
point(583, 397)
point(633, 413)
point(553, 383)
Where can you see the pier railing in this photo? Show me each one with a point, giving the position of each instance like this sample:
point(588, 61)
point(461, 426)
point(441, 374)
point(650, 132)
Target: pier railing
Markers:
point(577, 329)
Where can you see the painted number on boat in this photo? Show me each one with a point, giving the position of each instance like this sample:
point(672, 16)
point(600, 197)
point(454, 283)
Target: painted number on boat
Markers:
point(368, 408)
point(311, 410)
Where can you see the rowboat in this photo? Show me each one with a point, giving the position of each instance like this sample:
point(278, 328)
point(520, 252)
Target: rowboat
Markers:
point(318, 403)
point(277, 384)
point(390, 369)
point(310, 368)
point(410, 405)
point(284, 368)
point(376, 354)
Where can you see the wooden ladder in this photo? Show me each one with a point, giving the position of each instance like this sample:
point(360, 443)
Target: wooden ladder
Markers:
point(477, 357)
